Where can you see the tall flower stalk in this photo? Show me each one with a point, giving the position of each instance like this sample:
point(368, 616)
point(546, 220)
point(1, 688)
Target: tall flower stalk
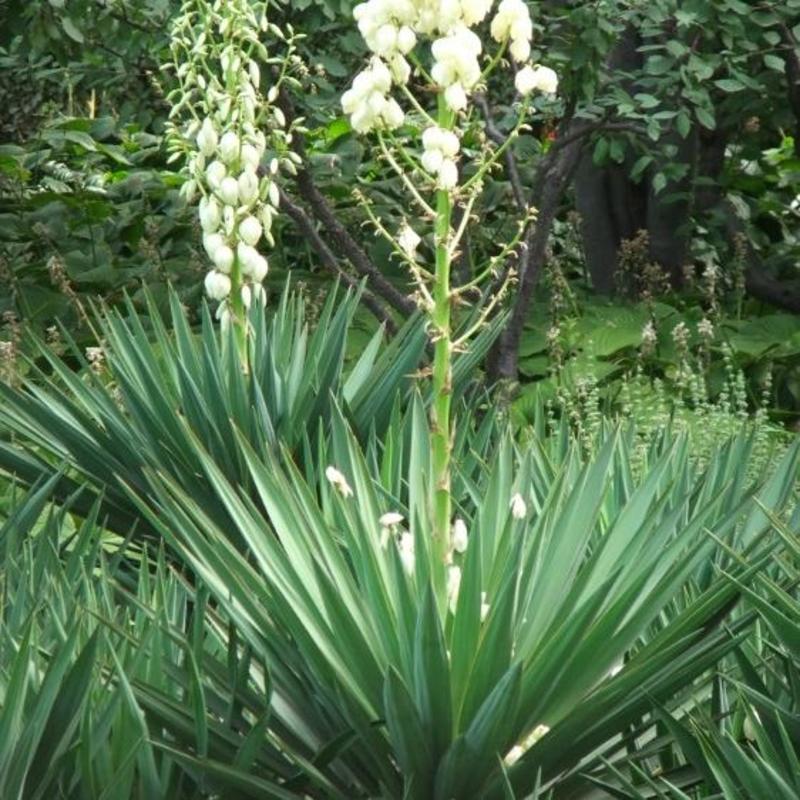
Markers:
point(234, 140)
point(388, 99)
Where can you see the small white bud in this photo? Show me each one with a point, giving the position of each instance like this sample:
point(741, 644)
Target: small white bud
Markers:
point(255, 73)
point(338, 481)
point(259, 269)
point(212, 242)
point(218, 285)
point(248, 186)
point(449, 144)
point(229, 191)
point(448, 175)
point(390, 519)
point(247, 256)
point(407, 554)
point(518, 508)
point(453, 586)
point(223, 258)
point(215, 173)
point(229, 147)
point(432, 161)
point(274, 194)
point(246, 296)
point(455, 97)
point(459, 538)
point(207, 138)
point(525, 80)
point(210, 215)
point(250, 157)
point(406, 39)
point(250, 231)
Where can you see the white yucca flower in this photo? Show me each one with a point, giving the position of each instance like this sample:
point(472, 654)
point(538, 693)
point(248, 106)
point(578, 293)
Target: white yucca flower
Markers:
point(459, 537)
point(407, 553)
point(338, 481)
point(453, 586)
point(518, 508)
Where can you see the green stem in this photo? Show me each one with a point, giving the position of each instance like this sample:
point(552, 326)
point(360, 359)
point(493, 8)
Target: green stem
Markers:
point(239, 315)
point(442, 366)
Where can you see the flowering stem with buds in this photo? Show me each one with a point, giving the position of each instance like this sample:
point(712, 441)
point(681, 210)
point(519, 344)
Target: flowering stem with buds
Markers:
point(392, 30)
point(442, 360)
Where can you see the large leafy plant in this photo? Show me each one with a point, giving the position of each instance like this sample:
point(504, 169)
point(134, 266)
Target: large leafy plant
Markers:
point(580, 598)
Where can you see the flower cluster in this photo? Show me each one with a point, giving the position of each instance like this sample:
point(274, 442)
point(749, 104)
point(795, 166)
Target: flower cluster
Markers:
point(236, 142)
point(456, 68)
point(440, 147)
point(536, 79)
point(513, 22)
point(392, 29)
point(368, 103)
point(233, 215)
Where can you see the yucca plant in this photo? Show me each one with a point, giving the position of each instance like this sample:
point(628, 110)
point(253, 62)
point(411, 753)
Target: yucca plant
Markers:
point(83, 634)
point(743, 741)
point(110, 421)
point(576, 599)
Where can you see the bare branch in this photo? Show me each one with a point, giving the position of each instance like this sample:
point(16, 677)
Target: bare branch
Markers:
point(499, 138)
point(329, 260)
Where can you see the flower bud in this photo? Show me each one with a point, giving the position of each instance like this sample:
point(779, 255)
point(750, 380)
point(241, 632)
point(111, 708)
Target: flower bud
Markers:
point(189, 190)
point(250, 231)
point(546, 80)
point(518, 508)
point(455, 97)
point(212, 242)
point(247, 256)
point(525, 80)
point(255, 73)
point(259, 293)
point(215, 172)
point(449, 144)
point(385, 39)
point(223, 258)
point(453, 586)
point(229, 147)
point(259, 268)
point(246, 296)
point(459, 539)
point(266, 218)
point(207, 138)
point(248, 186)
point(210, 215)
point(392, 114)
point(432, 138)
point(520, 50)
point(229, 191)
point(218, 286)
point(250, 157)
point(432, 161)
point(274, 195)
point(448, 175)
point(406, 39)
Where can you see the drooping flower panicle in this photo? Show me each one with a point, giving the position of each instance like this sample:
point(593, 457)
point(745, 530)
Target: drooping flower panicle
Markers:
point(217, 51)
